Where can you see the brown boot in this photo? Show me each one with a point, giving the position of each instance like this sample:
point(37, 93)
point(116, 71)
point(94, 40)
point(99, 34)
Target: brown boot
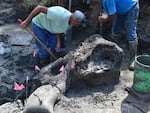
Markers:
point(41, 62)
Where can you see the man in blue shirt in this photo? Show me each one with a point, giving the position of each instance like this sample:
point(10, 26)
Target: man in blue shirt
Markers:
point(125, 15)
point(48, 24)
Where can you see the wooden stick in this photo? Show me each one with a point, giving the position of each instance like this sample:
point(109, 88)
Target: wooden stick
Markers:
point(39, 41)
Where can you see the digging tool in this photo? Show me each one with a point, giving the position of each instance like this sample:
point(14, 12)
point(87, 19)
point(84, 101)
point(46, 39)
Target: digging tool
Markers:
point(70, 2)
point(39, 41)
point(100, 24)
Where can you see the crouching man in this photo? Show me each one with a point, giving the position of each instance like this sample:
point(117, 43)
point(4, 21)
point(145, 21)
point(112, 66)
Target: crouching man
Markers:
point(47, 24)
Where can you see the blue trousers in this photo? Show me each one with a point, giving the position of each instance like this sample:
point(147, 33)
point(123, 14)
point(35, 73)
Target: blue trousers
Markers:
point(127, 21)
point(49, 39)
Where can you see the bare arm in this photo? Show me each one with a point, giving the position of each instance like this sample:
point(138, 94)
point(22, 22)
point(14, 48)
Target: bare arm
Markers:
point(35, 11)
point(58, 45)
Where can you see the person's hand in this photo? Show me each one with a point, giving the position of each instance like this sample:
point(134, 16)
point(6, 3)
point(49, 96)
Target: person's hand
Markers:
point(101, 19)
point(24, 24)
point(106, 17)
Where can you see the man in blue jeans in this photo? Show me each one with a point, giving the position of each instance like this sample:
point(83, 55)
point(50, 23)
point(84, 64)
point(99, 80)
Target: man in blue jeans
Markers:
point(48, 24)
point(125, 15)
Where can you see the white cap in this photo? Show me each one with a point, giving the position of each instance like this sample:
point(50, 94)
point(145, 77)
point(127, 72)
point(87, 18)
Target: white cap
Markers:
point(78, 15)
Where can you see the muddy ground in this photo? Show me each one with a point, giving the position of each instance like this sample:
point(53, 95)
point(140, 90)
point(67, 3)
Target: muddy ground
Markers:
point(18, 62)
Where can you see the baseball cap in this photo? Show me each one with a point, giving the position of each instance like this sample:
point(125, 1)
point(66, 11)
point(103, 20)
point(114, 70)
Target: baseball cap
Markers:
point(79, 16)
